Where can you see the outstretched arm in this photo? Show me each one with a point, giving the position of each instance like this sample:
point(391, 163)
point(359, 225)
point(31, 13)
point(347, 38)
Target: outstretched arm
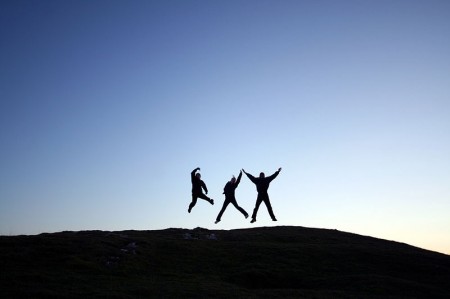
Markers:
point(239, 179)
point(252, 178)
point(275, 174)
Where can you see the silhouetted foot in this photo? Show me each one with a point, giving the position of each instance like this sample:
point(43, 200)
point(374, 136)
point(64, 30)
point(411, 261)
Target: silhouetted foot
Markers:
point(189, 210)
point(212, 201)
point(246, 216)
point(217, 221)
point(274, 219)
point(253, 220)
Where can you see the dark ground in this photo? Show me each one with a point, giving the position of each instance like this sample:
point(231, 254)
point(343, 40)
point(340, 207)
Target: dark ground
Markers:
point(269, 262)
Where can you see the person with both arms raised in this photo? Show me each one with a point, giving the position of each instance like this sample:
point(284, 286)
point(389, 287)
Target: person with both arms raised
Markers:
point(229, 191)
point(262, 185)
point(197, 192)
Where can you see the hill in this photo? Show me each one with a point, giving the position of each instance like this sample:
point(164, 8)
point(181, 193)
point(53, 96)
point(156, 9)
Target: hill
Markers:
point(269, 262)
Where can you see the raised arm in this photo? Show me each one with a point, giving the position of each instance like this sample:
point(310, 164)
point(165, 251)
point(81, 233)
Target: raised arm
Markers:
point(239, 179)
point(252, 178)
point(193, 172)
point(273, 176)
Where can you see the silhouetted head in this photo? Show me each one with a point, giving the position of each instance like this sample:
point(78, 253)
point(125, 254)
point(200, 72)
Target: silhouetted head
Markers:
point(233, 180)
point(261, 175)
point(197, 175)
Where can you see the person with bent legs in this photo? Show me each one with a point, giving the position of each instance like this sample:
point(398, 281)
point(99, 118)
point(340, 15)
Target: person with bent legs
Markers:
point(197, 189)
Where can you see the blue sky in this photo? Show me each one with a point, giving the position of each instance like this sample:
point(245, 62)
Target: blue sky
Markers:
point(107, 106)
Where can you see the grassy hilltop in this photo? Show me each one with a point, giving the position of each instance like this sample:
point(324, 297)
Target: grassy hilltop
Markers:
point(269, 262)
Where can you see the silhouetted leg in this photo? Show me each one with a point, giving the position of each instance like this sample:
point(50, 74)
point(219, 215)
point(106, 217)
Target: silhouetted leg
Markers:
point(203, 196)
point(192, 204)
point(269, 208)
point(239, 208)
point(225, 204)
point(255, 210)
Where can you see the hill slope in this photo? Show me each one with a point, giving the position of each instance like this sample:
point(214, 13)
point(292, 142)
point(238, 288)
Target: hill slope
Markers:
point(270, 262)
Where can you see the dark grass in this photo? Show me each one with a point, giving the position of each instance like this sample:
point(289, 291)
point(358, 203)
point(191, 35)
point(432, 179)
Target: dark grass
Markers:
point(269, 262)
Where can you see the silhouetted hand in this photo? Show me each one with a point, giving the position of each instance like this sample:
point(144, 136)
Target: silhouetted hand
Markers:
point(243, 170)
point(198, 168)
point(279, 169)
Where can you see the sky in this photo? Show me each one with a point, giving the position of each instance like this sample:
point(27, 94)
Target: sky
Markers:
point(107, 106)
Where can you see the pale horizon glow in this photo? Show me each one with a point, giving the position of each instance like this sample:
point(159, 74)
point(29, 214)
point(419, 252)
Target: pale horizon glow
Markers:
point(107, 106)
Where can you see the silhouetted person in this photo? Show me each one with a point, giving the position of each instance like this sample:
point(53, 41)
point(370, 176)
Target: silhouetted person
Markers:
point(197, 192)
point(262, 185)
point(229, 190)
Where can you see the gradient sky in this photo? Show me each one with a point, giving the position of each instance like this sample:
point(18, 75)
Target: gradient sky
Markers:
point(107, 106)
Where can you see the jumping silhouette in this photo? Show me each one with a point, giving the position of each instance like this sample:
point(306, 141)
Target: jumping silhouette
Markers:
point(228, 190)
point(262, 185)
point(197, 192)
